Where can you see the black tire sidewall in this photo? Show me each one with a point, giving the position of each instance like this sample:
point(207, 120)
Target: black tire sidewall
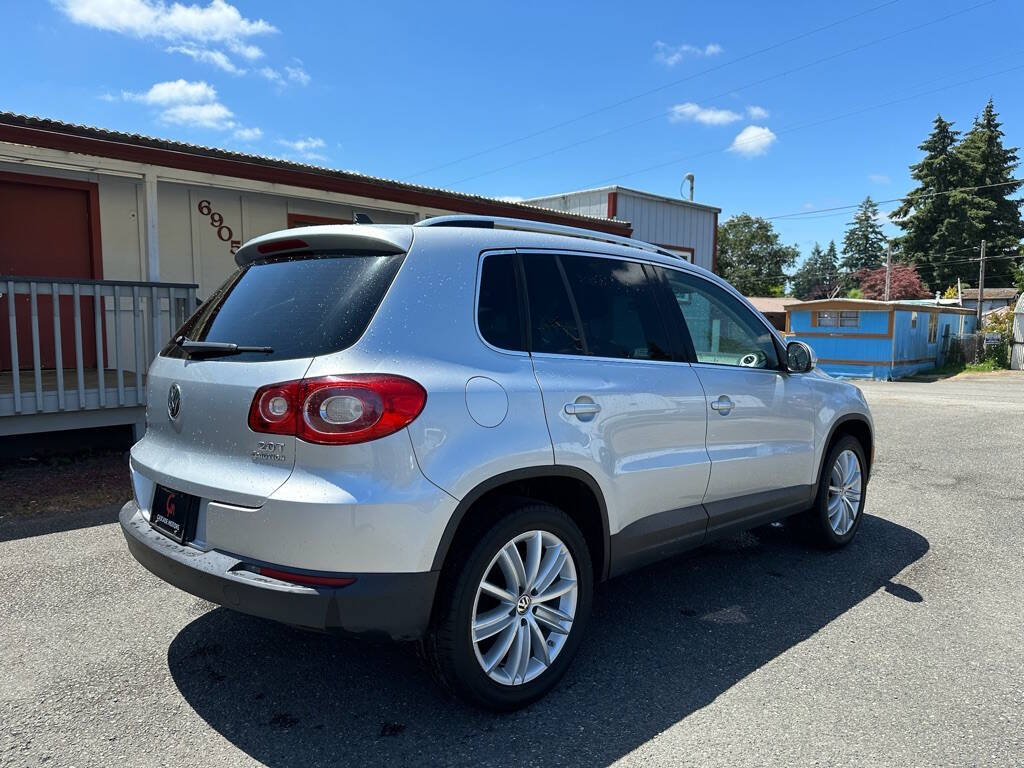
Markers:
point(820, 526)
point(470, 680)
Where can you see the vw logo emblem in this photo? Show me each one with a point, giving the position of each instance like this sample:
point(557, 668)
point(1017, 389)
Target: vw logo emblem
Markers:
point(173, 401)
point(523, 604)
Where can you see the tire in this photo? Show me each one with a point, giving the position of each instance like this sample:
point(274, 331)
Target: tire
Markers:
point(827, 524)
point(458, 658)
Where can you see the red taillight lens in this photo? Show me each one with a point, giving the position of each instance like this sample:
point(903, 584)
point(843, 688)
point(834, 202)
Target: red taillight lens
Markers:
point(337, 410)
point(305, 579)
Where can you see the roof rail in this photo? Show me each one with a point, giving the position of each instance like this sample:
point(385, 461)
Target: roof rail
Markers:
point(528, 225)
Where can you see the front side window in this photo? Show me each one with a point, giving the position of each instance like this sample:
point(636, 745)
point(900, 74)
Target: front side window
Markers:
point(617, 308)
point(722, 330)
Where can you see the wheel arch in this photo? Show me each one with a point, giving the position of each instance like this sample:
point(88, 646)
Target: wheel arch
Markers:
point(556, 484)
point(857, 426)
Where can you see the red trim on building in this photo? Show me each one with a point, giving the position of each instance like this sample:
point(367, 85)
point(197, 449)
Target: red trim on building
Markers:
point(613, 204)
point(714, 248)
point(276, 172)
point(305, 219)
point(92, 209)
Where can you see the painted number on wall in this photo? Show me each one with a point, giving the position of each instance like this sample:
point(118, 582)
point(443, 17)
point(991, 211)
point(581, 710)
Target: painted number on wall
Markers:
point(224, 232)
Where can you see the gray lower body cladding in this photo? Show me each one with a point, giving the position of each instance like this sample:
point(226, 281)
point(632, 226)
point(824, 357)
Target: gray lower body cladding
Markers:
point(395, 605)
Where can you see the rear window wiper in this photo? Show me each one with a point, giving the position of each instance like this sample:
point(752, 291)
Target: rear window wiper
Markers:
point(216, 348)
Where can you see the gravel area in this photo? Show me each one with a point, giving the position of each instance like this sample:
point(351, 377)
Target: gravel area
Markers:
point(904, 649)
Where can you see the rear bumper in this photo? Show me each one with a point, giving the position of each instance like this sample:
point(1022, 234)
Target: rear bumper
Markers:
point(393, 604)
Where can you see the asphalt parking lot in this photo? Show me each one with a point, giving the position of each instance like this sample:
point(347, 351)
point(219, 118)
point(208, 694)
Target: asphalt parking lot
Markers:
point(905, 649)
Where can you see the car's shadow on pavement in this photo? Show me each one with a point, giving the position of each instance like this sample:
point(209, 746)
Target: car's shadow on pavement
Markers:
point(661, 644)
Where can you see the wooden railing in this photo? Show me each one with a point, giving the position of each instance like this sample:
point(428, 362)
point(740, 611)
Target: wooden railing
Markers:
point(74, 345)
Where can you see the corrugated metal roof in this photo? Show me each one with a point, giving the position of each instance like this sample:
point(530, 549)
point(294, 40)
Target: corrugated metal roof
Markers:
point(631, 191)
point(991, 293)
point(141, 140)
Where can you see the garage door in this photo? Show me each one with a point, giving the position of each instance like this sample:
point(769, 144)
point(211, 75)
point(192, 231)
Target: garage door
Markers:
point(48, 228)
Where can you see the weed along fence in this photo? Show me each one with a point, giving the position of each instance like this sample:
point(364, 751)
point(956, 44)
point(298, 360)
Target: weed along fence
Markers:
point(860, 338)
point(76, 352)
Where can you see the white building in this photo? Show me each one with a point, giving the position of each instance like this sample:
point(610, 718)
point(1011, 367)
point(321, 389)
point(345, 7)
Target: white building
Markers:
point(681, 226)
point(119, 225)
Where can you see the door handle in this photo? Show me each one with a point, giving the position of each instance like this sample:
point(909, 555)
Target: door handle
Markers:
point(723, 405)
point(582, 409)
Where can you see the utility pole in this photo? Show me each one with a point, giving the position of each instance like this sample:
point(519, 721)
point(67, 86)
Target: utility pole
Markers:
point(981, 285)
point(888, 268)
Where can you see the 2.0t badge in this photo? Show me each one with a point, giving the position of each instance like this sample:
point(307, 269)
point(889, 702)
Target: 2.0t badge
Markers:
point(174, 401)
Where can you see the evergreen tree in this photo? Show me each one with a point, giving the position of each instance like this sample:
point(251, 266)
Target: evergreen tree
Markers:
point(936, 216)
point(992, 167)
point(818, 276)
point(864, 242)
point(751, 256)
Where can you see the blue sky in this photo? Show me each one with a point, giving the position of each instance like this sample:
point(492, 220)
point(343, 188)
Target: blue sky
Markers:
point(461, 96)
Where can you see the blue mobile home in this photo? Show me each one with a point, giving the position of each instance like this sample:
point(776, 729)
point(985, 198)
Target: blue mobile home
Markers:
point(863, 339)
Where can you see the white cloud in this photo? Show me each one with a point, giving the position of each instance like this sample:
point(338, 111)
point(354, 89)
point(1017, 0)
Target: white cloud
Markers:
point(670, 55)
point(808, 206)
point(245, 50)
point(306, 147)
point(752, 140)
point(218, 22)
point(248, 134)
point(183, 102)
point(212, 115)
point(704, 115)
point(272, 75)
point(175, 92)
point(878, 178)
point(297, 74)
point(755, 112)
point(193, 28)
point(512, 198)
point(218, 59)
point(107, 96)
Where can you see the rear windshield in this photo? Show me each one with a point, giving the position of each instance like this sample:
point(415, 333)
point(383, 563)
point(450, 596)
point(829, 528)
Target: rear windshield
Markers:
point(302, 306)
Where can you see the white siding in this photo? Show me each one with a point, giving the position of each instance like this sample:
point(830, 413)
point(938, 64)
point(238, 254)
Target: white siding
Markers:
point(671, 224)
point(675, 224)
point(593, 203)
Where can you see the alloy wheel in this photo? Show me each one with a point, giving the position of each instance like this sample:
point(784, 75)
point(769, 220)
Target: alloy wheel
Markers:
point(524, 607)
point(844, 492)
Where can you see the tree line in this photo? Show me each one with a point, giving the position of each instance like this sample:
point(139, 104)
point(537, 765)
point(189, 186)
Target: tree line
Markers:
point(964, 193)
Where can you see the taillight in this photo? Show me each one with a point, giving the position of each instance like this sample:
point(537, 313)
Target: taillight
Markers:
point(304, 578)
point(337, 410)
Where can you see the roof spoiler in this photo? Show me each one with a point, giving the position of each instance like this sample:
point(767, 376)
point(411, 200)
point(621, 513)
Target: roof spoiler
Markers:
point(332, 237)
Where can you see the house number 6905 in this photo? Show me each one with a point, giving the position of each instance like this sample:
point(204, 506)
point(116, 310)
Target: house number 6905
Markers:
point(224, 232)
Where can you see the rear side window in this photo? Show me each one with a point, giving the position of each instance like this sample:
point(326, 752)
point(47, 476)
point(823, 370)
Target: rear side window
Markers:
point(617, 308)
point(498, 312)
point(553, 324)
point(301, 307)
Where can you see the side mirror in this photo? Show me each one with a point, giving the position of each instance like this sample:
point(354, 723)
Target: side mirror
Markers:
point(800, 358)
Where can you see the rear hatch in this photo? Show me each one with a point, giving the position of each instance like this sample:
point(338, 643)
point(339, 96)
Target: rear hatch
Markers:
point(303, 303)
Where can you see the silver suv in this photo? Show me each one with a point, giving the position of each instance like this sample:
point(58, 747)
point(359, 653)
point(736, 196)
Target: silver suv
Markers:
point(452, 431)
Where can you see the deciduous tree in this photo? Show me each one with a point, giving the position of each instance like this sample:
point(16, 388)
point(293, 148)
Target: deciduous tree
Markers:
point(751, 256)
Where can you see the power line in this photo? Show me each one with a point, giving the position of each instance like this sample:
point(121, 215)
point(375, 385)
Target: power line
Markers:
point(896, 265)
point(812, 124)
point(731, 91)
point(651, 91)
point(844, 208)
